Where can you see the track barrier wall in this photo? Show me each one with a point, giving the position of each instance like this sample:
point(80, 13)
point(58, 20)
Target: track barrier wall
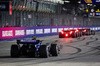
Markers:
point(8, 33)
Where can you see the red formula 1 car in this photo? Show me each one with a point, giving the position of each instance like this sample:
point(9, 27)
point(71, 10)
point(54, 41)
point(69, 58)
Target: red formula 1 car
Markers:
point(88, 31)
point(69, 33)
point(76, 33)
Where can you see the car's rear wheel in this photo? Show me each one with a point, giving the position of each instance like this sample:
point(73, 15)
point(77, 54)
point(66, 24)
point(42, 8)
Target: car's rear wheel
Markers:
point(74, 35)
point(87, 33)
point(60, 35)
point(44, 51)
point(15, 50)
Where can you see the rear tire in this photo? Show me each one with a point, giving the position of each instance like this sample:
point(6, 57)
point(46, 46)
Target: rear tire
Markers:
point(74, 35)
point(15, 51)
point(44, 51)
point(60, 36)
point(54, 50)
point(77, 35)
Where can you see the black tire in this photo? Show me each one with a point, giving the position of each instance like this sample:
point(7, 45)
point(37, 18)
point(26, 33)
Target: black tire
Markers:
point(87, 33)
point(83, 33)
point(77, 35)
point(44, 51)
point(54, 50)
point(74, 35)
point(60, 36)
point(15, 50)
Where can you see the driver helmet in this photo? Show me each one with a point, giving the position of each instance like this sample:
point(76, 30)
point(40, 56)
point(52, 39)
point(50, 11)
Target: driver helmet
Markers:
point(68, 29)
point(34, 37)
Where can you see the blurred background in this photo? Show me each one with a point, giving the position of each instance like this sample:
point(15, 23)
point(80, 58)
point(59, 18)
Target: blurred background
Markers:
point(29, 13)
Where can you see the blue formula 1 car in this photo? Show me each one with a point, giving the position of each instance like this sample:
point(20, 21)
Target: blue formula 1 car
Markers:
point(33, 48)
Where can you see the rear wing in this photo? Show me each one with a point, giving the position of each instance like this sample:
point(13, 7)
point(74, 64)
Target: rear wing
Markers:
point(28, 41)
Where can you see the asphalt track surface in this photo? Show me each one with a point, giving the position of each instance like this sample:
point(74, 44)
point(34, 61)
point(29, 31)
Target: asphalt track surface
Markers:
point(84, 51)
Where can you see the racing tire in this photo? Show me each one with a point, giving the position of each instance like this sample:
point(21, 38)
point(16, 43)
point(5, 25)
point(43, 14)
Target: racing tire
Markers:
point(83, 33)
point(74, 35)
point(77, 35)
point(86, 33)
point(60, 36)
point(15, 51)
point(44, 51)
point(54, 50)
